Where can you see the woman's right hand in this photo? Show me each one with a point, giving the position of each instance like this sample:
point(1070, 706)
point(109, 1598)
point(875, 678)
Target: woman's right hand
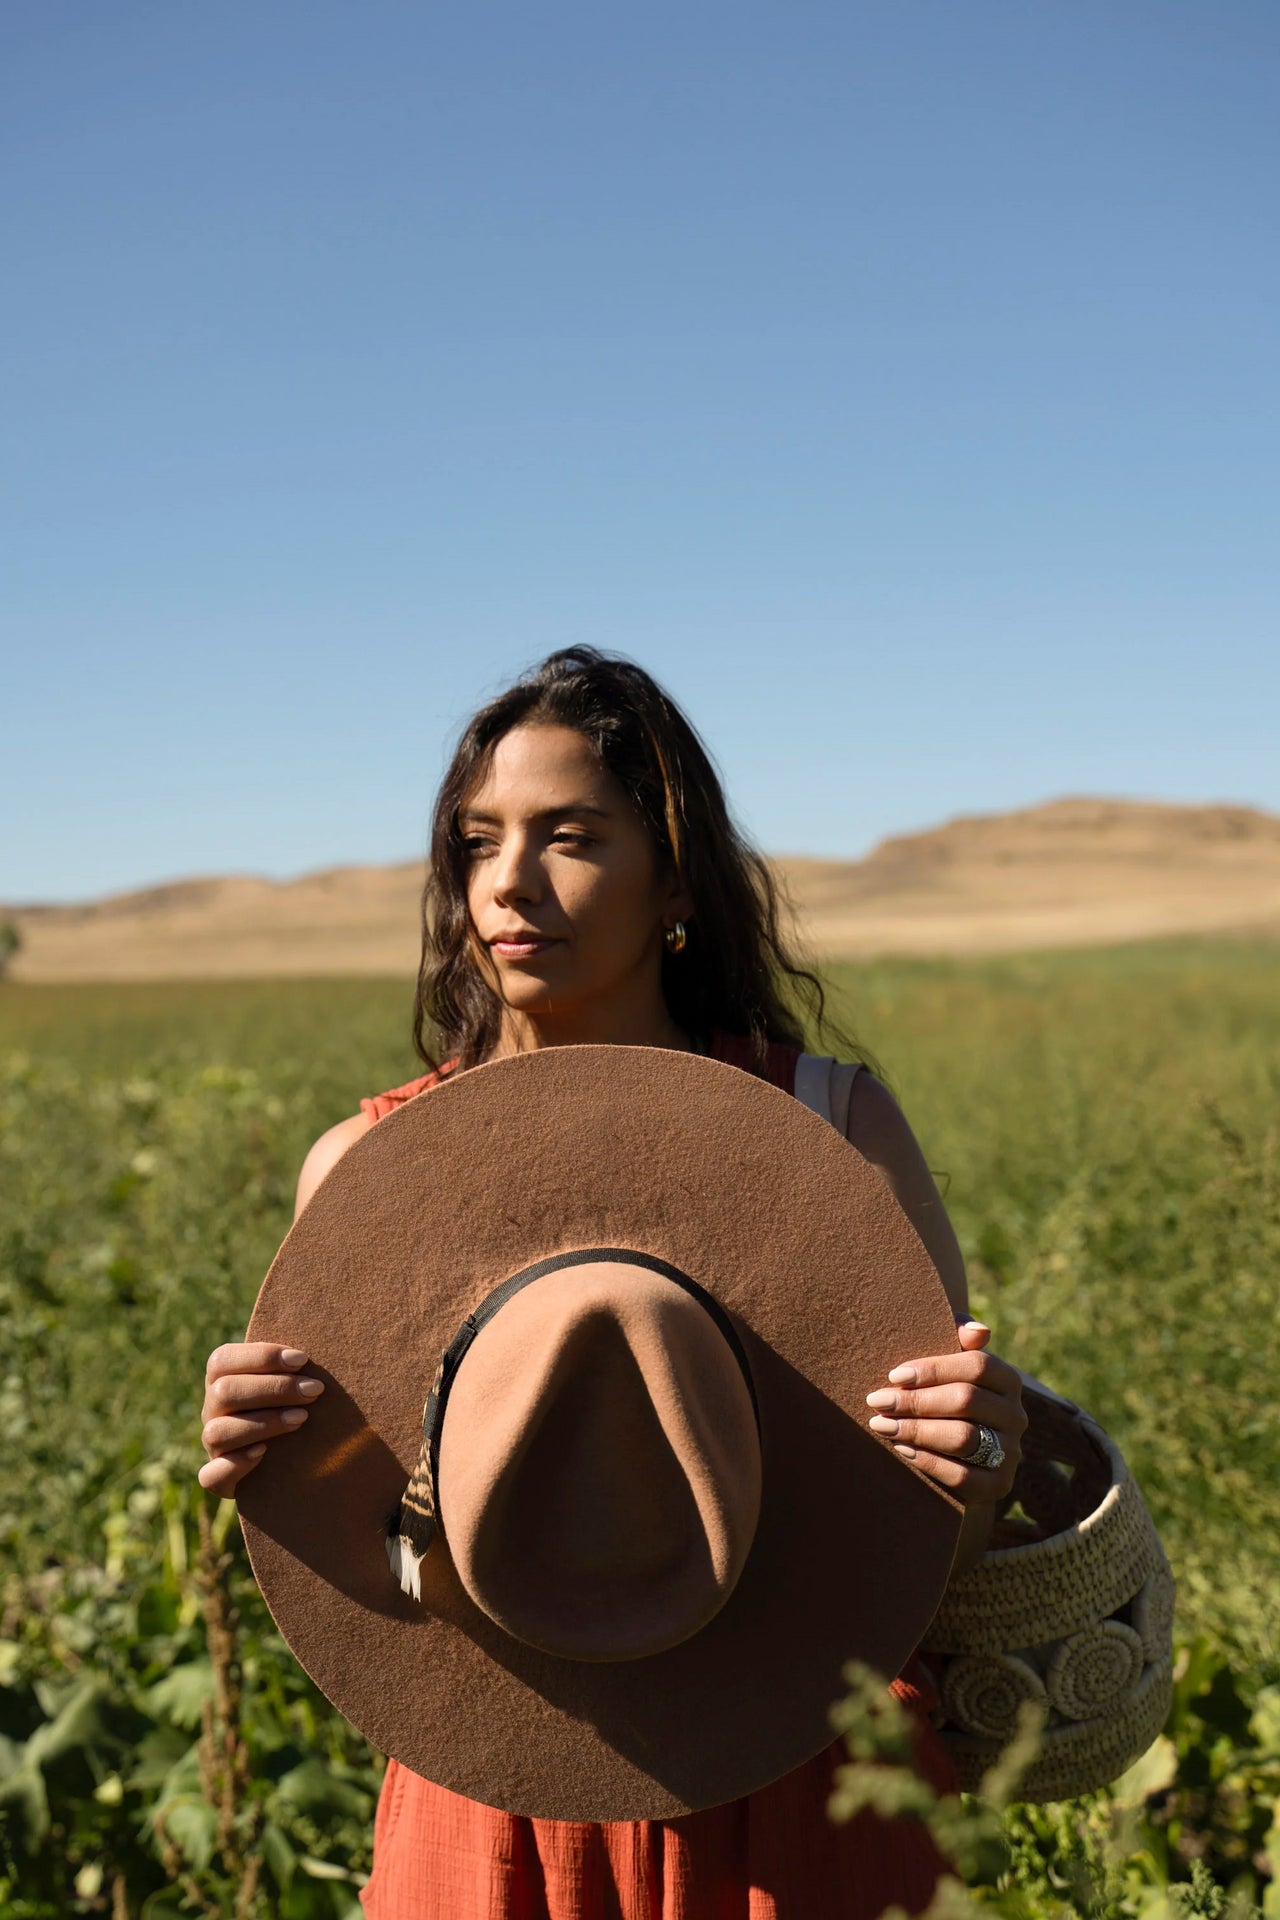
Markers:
point(253, 1392)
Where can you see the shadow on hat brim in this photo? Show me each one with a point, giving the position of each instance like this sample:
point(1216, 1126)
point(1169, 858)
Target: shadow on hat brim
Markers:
point(794, 1233)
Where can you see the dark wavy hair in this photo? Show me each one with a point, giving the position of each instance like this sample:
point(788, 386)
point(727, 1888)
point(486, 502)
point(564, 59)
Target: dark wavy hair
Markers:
point(737, 974)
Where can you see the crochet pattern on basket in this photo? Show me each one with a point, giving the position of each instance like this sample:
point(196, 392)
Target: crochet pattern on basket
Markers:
point(1071, 1606)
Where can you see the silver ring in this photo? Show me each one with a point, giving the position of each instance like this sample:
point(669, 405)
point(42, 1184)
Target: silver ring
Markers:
point(988, 1452)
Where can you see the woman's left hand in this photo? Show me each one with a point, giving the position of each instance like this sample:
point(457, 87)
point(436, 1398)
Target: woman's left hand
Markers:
point(932, 1410)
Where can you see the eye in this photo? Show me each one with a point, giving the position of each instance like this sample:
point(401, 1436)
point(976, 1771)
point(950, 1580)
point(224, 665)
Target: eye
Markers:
point(474, 844)
point(571, 837)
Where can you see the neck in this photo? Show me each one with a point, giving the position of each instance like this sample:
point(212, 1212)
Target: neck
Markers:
point(640, 1025)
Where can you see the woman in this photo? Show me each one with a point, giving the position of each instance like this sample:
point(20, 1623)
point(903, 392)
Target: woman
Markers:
point(587, 885)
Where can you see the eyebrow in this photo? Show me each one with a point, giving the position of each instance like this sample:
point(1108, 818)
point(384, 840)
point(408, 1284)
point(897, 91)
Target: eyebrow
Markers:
point(546, 813)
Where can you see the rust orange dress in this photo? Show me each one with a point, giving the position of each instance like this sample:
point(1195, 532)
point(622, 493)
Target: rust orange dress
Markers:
point(774, 1855)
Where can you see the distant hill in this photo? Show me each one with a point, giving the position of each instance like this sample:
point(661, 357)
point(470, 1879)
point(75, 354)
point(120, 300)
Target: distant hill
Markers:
point(1070, 873)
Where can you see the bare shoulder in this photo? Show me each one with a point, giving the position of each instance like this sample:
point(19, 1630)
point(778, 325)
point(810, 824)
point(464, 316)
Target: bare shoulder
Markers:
point(879, 1129)
point(326, 1153)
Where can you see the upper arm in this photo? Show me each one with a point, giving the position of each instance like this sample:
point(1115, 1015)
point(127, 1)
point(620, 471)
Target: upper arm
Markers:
point(878, 1129)
point(326, 1153)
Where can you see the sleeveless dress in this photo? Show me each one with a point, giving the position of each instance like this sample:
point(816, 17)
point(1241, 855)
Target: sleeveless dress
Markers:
point(774, 1855)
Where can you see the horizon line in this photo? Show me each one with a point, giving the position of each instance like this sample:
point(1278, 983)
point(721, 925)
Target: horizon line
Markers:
point(299, 876)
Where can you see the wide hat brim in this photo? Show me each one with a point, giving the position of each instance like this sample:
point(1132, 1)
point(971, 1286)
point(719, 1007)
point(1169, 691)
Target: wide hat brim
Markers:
point(794, 1233)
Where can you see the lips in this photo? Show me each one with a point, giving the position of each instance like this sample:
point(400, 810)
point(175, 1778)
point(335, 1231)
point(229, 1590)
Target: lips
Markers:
point(521, 945)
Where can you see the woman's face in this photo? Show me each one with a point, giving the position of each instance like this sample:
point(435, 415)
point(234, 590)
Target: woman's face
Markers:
point(568, 900)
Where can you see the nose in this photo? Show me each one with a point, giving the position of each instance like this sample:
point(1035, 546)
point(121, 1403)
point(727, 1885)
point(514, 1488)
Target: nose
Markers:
point(516, 871)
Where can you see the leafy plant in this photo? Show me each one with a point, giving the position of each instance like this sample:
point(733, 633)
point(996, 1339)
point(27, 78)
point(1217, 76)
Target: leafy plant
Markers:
point(180, 1763)
point(1109, 1855)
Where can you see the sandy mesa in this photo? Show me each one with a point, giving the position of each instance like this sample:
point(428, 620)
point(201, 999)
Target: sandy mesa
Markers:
point(1070, 873)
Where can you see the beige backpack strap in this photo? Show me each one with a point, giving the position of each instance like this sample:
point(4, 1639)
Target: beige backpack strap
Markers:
point(843, 1075)
point(825, 1086)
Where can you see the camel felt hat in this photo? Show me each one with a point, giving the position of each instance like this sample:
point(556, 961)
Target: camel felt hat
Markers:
point(615, 1570)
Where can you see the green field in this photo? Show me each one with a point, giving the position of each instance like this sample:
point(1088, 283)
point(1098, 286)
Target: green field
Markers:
point(1106, 1130)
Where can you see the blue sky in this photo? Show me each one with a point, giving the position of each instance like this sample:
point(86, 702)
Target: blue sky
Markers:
point(898, 381)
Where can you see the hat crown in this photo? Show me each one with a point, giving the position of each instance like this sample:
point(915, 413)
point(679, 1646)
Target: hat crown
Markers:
point(599, 1472)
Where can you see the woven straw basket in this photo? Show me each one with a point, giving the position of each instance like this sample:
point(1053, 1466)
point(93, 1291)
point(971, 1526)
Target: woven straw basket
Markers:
point(1071, 1606)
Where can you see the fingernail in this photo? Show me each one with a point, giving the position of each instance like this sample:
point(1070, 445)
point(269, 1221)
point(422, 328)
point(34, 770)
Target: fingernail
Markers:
point(908, 1453)
point(256, 1452)
point(879, 1424)
point(310, 1388)
point(903, 1376)
point(885, 1398)
point(293, 1416)
point(292, 1357)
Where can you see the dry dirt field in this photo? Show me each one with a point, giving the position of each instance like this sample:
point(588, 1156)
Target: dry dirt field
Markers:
point(1068, 874)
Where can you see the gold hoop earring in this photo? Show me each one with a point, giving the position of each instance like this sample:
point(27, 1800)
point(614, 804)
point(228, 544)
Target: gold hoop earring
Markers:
point(676, 938)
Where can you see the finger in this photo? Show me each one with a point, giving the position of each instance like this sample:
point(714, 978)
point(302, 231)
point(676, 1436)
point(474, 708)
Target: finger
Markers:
point(228, 1435)
point(957, 1400)
point(987, 1369)
point(223, 1475)
point(259, 1392)
point(972, 1334)
point(252, 1356)
point(975, 1486)
point(955, 1437)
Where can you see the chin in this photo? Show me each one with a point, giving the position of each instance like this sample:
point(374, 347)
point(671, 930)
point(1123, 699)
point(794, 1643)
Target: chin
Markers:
point(531, 989)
